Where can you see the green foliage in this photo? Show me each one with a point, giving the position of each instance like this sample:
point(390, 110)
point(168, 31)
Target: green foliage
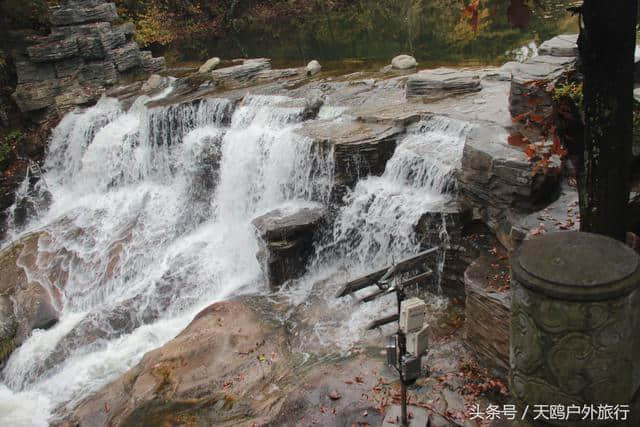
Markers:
point(5, 151)
point(569, 91)
point(8, 143)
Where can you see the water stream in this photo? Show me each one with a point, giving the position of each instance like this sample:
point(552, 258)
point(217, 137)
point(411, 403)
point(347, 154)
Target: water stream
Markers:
point(150, 221)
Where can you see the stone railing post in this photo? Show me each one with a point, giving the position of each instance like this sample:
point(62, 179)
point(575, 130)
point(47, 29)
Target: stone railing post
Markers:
point(575, 323)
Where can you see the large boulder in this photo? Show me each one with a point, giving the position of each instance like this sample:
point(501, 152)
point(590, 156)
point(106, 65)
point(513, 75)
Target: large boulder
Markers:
point(286, 237)
point(221, 370)
point(403, 62)
point(154, 83)
point(440, 83)
point(209, 65)
point(235, 365)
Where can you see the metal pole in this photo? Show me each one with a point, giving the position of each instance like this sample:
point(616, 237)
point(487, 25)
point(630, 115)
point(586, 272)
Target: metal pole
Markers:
point(403, 406)
point(402, 344)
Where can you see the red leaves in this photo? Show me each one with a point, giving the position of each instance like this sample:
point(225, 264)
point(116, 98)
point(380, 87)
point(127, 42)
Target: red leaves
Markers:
point(471, 12)
point(519, 14)
point(518, 140)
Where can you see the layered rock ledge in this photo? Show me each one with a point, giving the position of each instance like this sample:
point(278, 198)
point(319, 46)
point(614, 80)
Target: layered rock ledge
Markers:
point(83, 55)
point(286, 236)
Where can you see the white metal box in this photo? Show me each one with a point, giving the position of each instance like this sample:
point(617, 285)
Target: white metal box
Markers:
point(412, 315)
point(417, 342)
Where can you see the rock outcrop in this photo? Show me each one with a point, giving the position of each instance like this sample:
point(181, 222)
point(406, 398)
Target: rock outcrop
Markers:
point(286, 237)
point(441, 83)
point(235, 365)
point(532, 80)
point(359, 149)
point(226, 379)
point(241, 73)
point(488, 317)
point(83, 55)
point(25, 304)
point(497, 181)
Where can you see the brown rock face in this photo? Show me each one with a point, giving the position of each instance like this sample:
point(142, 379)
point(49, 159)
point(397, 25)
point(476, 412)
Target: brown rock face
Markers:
point(25, 304)
point(219, 370)
point(234, 365)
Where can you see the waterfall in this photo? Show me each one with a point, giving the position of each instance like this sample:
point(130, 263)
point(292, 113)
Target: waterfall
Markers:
point(149, 221)
point(377, 226)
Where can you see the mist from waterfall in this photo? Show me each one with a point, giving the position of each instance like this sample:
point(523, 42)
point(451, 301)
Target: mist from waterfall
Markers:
point(150, 221)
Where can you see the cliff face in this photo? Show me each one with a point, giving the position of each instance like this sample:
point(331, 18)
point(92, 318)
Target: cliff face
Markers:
point(83, 55)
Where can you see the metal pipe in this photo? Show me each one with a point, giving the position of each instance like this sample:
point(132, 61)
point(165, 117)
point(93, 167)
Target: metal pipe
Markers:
point(403, 404)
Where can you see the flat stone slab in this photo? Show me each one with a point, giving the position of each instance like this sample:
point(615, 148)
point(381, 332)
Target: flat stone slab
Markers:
point(561, 215)
point(243, 72)
point(283, 223)
point(347, 133)
point(542, 67)
point(441, 83)
point(562, 45)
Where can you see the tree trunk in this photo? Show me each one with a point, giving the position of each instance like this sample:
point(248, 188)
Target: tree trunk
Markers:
point(607, 44)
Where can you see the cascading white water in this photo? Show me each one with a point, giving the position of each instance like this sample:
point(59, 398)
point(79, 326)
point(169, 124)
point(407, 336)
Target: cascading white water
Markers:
point(377, 224)
point(150, 221)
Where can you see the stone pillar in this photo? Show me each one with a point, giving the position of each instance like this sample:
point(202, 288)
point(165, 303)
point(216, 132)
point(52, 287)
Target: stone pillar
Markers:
point(575, 322)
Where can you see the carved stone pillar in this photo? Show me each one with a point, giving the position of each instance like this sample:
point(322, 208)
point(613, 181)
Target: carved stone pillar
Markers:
point(575, 322)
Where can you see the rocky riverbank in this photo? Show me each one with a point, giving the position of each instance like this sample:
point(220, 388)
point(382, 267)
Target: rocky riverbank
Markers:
point(272, 359)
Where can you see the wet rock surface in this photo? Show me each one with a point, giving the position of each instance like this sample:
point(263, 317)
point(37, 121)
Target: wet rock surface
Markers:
point(237, 363)
point(25, 304)
point(359, 149)
point(287, 236)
